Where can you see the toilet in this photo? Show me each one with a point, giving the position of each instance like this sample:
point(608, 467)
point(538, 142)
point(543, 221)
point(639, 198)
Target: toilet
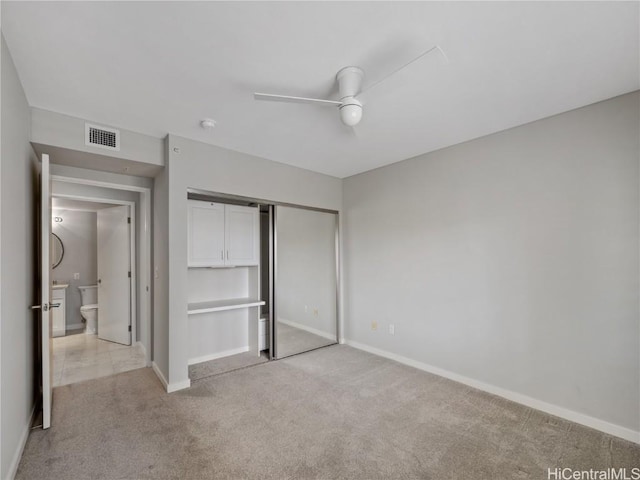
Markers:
point(89, 308)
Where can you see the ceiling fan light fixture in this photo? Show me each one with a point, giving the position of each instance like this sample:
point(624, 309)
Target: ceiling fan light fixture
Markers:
point(349, 80)
point(351, 112)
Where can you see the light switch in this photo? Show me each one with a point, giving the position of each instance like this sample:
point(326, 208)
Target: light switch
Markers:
point(76, 276)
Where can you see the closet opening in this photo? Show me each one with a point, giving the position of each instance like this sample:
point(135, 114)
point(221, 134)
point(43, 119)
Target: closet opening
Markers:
point(262, 281)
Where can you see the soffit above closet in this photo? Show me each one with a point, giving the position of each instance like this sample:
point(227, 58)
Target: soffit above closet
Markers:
point(159, 67)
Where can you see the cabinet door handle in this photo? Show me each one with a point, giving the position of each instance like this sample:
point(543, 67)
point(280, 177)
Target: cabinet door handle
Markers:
point(227, 254)
point(221, 254)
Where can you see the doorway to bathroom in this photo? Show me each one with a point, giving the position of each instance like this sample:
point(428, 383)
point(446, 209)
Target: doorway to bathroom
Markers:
point(93, 275)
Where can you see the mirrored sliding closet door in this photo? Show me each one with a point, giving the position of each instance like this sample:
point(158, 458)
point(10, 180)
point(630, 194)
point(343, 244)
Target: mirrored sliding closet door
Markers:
point(305, 280)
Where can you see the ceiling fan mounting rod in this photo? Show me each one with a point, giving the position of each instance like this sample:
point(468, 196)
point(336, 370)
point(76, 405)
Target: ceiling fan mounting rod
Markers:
point(349, 81)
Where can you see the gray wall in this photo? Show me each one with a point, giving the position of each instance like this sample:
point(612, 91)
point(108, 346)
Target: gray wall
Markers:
point(57, 130)
point(17, 246)
point(214, 169)
point(511, 259)
point(78, 232)
point(160, 275)
point(99, 176)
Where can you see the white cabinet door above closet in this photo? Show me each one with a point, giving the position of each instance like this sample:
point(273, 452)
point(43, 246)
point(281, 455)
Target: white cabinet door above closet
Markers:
point(223, 235)
point(242, 235)
point(206, 234)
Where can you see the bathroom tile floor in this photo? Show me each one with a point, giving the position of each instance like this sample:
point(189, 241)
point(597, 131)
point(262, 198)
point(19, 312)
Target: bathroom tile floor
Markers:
point(78, 357)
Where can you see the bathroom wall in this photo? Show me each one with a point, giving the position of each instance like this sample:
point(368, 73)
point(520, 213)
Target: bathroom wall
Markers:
point(77, 231)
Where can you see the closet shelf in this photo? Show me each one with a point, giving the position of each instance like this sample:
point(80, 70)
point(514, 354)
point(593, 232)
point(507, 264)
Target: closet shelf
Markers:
point(220, 305)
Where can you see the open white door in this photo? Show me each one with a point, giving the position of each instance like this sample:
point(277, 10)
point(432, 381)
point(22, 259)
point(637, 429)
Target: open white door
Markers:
point(45, 306)
point(114, 282)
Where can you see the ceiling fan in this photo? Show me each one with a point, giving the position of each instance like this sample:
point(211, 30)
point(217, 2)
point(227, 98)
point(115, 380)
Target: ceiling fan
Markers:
point(349, 81)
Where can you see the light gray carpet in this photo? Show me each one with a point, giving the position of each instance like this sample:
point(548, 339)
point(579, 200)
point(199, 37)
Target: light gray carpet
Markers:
point(332, 413)
point(226, 364)
point(292, 340)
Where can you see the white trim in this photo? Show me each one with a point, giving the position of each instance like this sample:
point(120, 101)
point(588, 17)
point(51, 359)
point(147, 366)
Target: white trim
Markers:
point(15, 461)
point(222, 305)
point(169, 387)
point(133, 284)
point(586, 420)
point(300, 326)
point(144, 291)
point(214, 356)
point(100, 183)
point(174, 387)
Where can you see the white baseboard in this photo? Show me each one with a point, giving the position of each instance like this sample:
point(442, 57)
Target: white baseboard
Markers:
point(306, 328)
point(15, 461)
point(214, 356)
point(586, 420)
point(169, 387)
point(174, 387)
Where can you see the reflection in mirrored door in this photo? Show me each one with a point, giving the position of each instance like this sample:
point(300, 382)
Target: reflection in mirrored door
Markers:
point(305, 274)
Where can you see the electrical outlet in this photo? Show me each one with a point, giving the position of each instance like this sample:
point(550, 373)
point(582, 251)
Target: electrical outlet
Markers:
point(374, 325)
point(76, 276)
point(392, 329)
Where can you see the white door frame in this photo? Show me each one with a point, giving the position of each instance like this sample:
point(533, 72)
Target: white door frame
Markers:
point(145, 252)
point(132, 252)
point(46, 292)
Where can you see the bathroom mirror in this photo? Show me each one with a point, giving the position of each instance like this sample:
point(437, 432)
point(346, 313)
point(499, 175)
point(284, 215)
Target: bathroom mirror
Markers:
point(57, 250)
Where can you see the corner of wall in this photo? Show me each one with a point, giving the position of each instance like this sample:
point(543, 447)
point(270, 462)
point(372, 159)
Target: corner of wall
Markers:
point(17, 254)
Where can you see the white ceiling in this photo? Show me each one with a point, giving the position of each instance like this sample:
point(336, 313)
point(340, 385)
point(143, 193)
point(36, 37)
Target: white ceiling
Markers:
point(159, 67)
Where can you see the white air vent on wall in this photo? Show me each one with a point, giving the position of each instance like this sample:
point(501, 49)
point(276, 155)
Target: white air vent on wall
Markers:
point(101, 137)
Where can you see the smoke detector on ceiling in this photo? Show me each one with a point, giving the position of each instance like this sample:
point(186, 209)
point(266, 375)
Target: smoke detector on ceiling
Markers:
point(101, 137)
point(207, 123)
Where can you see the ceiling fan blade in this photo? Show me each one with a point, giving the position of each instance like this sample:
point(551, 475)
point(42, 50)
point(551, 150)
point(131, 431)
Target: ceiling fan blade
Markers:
point(286, 98)
point(435, 48)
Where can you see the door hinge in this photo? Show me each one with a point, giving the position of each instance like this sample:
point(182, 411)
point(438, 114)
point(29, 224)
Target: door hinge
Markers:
point(129, 327)
point(129, 274)
point(128, 219)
